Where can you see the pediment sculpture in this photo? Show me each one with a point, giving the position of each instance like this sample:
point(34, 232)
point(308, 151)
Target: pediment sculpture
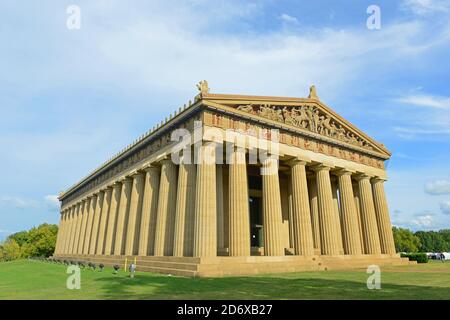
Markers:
point(307, 117)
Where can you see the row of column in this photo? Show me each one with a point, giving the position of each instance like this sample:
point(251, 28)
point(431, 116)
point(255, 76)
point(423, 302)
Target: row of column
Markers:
point(171, 210)
point(163, 211)
point(354, 220)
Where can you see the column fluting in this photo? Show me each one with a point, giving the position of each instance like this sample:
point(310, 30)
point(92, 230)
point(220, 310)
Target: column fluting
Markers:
point(96, 223)
point(112, 221)
point(383, 219)
point(89, 223)
point(76, 229)
point(303, 237)
point(368, 217)
point(184, 207)
point(122, 217)
point(271, 207)
point(84, 218)
point(238, 206)
point(328, 235)
point(314, 207)
point(165, 220)
point(104, 217)
point(350, 227)
point(205, 230)
point(149, 211)
point(134, 218)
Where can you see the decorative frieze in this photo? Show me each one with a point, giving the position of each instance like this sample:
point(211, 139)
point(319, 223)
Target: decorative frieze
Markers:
point(308, 117)
point(292, 139)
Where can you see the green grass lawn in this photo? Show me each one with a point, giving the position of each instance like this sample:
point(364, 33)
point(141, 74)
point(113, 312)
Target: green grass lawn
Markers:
point(40, 280)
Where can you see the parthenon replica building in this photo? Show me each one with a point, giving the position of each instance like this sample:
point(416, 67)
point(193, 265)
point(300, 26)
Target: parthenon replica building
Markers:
point(236, 184)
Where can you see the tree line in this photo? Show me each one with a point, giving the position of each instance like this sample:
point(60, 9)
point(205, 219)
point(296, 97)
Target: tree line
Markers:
point(36, 242)
point(421, 241)
point(40, 242)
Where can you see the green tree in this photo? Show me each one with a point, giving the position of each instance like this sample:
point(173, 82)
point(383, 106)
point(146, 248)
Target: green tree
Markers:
point(431, 241)
point(20, 237)
point(9, 250)
point(445, 233)
point(405, 240)
point(41, 241)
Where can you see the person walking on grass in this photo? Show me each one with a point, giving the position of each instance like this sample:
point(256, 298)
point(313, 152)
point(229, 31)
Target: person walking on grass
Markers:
point(132, 269)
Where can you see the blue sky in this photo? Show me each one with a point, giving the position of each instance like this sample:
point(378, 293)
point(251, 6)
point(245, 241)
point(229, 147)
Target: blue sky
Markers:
point(69, 99)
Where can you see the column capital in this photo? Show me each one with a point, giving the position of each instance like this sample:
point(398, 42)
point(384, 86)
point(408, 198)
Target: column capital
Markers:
point(321, 166)
point(150, 167)
point(116, 184)
point(135, 174)
point(378, 179)
point(298, 160)
point(363, 176)
point(125, 179)
point(343, 171)
point(166, 160)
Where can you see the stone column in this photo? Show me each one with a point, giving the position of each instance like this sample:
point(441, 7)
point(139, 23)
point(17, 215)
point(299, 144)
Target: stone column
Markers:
point(90, 222)
point(149, 211)
point(71, 212)
point(303, 237)
point(205, 230)
point(71, 228)
point(96, 223)
point(112, 221)
point(104, 217)
point(79, 224)
point(83, 226)
point(271, 207)
point(337, 215)
point(220, 207)
point(238, 207)
point(314, 206)
point(185, 207)
point(66, 230)
point(350, 227)
point(165, 220)
point(134, 218)
point(122, 217)
point(328, 235)
point(76, 230)
point(383, 219)
point(358, 211)
point(368, 218)
point(61, 232)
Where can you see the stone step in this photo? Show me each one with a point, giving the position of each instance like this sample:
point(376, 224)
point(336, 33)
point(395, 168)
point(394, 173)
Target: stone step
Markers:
point(229, 266)
point(171, 271)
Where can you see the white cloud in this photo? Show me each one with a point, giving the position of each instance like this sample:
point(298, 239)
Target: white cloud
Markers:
point(438, 187)
point(424, 221)
point(445, 207)
point(17, 202)
point(429, 120)
point(426, 101)
point(52, 202)
point(424, 7)
point(287, 18)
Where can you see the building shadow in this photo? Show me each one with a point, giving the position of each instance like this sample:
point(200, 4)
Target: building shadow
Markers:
point(146, 286)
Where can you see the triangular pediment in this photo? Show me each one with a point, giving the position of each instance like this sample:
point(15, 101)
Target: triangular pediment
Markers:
point(305, 114)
